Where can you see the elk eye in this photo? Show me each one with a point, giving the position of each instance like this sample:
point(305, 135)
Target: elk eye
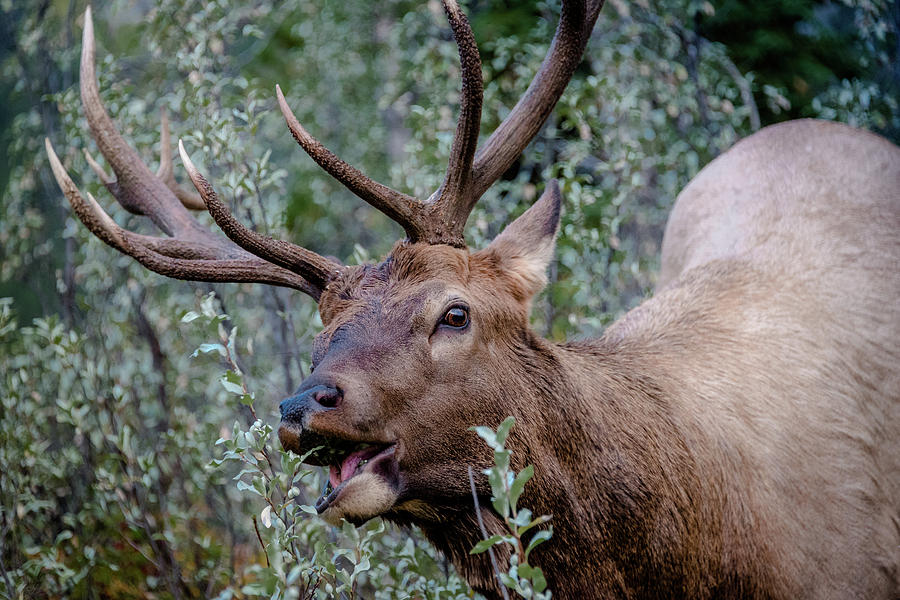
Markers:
point(457, 317)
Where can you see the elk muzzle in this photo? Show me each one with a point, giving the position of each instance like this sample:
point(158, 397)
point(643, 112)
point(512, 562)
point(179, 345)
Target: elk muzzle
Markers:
point(311, 399)
point(295, 433)
point(364, 475)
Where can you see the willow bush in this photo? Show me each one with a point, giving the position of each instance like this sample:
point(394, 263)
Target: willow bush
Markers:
point(137, 457)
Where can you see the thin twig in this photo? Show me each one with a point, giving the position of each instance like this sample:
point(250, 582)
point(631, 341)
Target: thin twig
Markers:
point(137, 548)
point(744, 88)
point(210, 585)
point(690, 46)
point(7, 525)
point(311, 593)
point(158, 357)
point(484, 533)
point(233, 363)
point(261, 543)
point(170, 569)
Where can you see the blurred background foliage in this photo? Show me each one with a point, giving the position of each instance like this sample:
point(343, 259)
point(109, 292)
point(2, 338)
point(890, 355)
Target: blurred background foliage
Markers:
point(109, 423)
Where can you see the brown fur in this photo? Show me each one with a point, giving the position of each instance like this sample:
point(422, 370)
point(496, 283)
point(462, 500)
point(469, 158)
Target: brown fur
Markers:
point(735, 436)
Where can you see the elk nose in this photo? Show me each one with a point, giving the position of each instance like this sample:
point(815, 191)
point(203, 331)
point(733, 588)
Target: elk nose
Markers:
point(307, 400)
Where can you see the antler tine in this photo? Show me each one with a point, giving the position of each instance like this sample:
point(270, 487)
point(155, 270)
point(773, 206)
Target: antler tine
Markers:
point(101, 173)
point(310, 265)
point(94, 217)
point(469, 177)
point(403, 209)
point(194, 252)
point(166, 172)
point(529, 114)
point(442, 219)
point(179, 259)
point(136, 188)
point(452, 196)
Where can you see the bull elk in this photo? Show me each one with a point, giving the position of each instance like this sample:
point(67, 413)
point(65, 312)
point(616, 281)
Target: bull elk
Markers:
point(736, 435)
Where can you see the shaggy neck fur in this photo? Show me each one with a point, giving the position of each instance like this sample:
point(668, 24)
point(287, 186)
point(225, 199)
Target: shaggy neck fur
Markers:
point(622, 478)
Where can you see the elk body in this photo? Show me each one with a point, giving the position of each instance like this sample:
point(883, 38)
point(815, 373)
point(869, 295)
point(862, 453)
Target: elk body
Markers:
point(735, 436)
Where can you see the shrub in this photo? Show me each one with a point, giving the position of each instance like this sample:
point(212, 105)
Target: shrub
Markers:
point(111, 482)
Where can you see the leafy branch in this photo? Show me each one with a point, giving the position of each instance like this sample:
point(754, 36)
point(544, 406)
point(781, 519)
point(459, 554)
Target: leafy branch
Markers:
point(506, 488)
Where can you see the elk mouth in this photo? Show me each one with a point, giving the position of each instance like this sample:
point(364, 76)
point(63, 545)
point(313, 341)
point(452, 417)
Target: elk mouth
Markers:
point(364, 479)
point(345, 467)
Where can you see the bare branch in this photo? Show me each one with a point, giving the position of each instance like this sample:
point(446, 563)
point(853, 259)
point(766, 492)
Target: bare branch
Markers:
point(485, 535)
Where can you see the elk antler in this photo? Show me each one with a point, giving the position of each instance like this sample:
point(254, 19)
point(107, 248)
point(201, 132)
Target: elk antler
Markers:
point(442, 218)
point(193, 252)
point(529, 114)
point(403, 209)
point(457, 180)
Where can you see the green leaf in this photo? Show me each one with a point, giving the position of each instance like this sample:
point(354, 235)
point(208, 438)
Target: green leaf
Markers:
point(488, 435)
point(539, 538)
point(361, 567)
point(523, 518)
point(538, 581)
point(206, 348)
point(504, 428)
point(534, 576)
point(526, 571)
point(265, 517)
point(308, 454)
point(515, 490)
point(260, 486)
point(232, 336)
point(244, 486)
point(501, 506)
point(508, 581)
point(232, 387)
point(483, 545)
point(245, 472)
point(63, 536)
point(534, 523)
point(206, 305)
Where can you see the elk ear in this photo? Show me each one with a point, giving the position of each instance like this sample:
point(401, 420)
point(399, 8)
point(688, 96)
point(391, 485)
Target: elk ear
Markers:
point(525, 248)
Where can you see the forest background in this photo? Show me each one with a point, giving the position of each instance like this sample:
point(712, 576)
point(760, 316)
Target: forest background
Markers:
point(117, 383)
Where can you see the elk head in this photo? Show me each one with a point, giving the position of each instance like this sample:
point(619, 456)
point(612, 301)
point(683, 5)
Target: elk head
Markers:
point(415, 349)
point(411, 355)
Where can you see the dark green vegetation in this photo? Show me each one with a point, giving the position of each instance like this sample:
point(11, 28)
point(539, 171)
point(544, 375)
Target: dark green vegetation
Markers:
point(109, 423)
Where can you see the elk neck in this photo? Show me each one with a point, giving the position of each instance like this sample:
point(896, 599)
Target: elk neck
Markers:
point(621, 474)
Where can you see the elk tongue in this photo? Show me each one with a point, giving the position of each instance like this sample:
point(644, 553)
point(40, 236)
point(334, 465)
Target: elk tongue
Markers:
point(340, 473)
